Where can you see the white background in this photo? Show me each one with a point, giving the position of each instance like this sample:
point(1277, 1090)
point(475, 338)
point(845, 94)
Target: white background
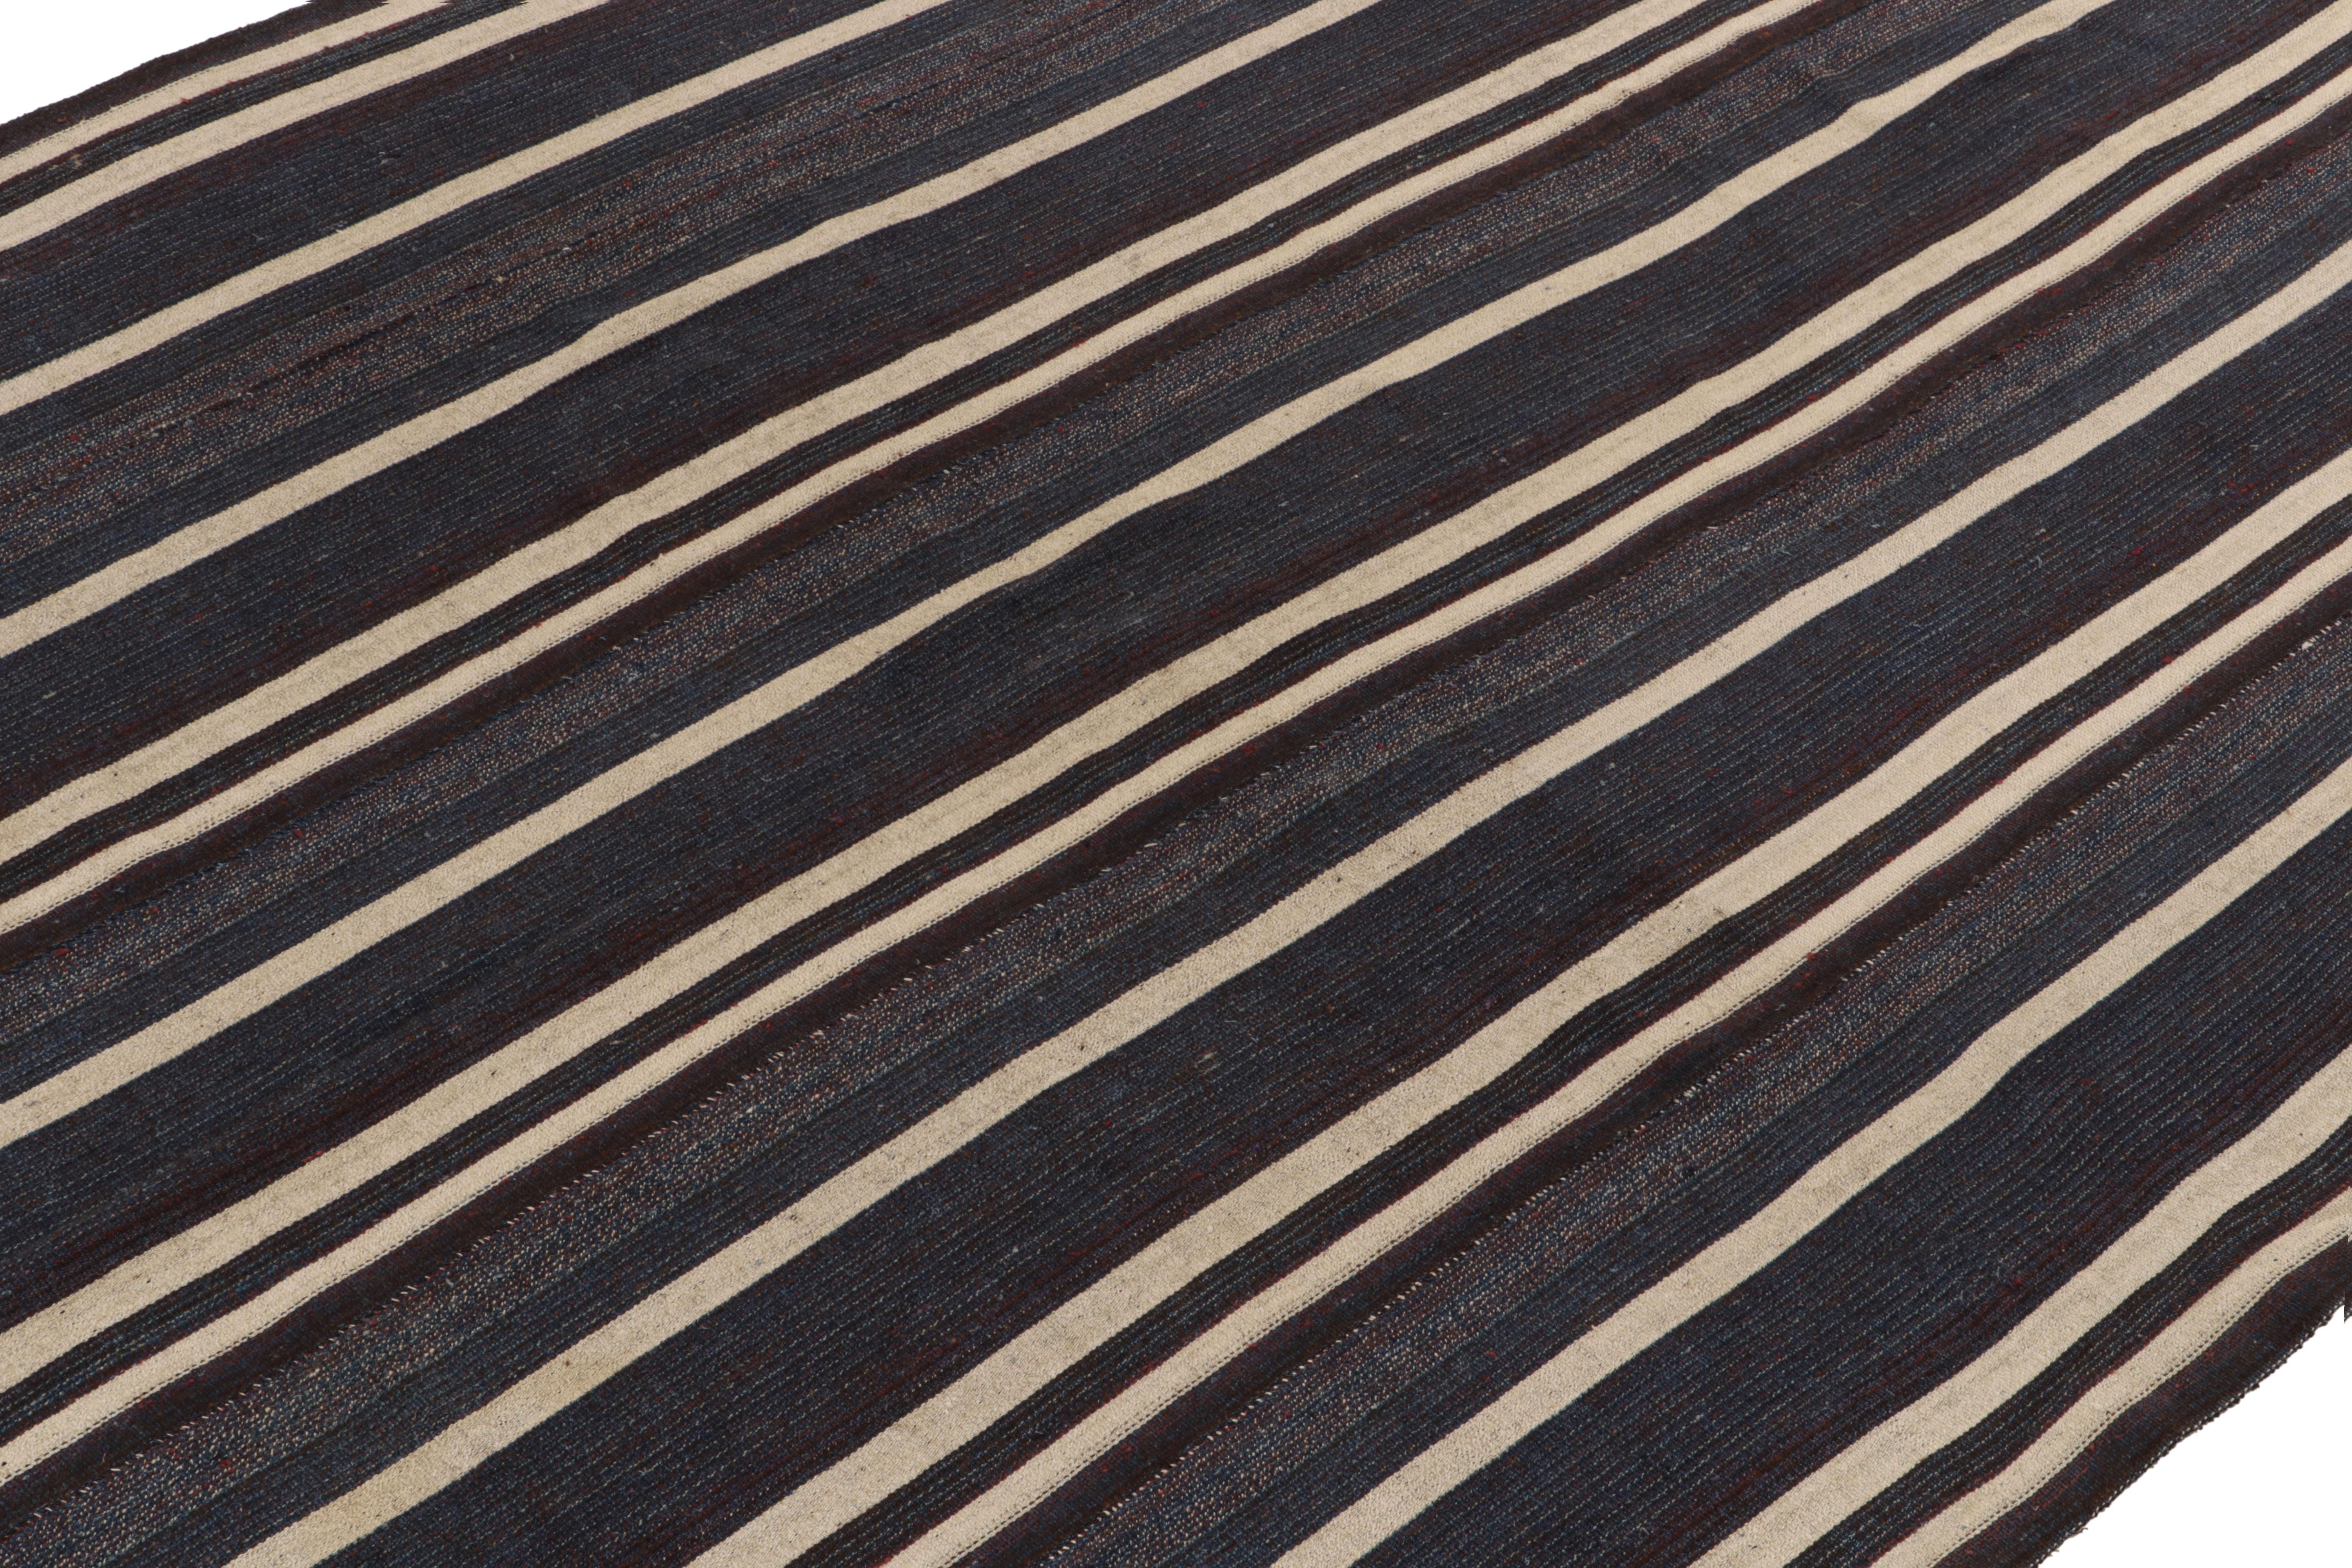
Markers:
point(2268, 1484)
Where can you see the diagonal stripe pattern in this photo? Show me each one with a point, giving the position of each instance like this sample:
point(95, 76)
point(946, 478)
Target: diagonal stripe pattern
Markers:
point(1191, 782)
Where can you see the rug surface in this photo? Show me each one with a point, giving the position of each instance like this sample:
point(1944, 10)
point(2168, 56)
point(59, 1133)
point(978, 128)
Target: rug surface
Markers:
point(1169, 781)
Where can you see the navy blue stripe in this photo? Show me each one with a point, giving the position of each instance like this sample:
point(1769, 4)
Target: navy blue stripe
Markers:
point(1940, 1257)
point(1155, 1074)
point(319, 559)
point(780, 1327)
point(778, 802)
point(733, 1412)
point(333, 1011)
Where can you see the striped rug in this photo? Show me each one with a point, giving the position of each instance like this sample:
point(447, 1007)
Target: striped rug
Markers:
point(1146, 782)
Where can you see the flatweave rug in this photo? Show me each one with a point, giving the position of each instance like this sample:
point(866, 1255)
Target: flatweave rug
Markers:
point(1169, 781)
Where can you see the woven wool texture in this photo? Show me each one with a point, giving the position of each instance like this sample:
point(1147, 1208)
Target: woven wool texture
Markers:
point(1151, 782)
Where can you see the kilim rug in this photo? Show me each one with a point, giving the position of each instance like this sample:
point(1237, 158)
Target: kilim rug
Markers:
point(1169, 781)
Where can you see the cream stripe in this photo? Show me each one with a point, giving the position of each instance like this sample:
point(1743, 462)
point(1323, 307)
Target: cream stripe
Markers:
point(245, 68)
point(39, 1339)
point(2285, 1137)
point(592, 1361)
point(2184, 1340)
point(1059, 1341)
point(127, 173)
point(440, 201)
point(380, 646)
point(121, 578)
point(126, 778)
